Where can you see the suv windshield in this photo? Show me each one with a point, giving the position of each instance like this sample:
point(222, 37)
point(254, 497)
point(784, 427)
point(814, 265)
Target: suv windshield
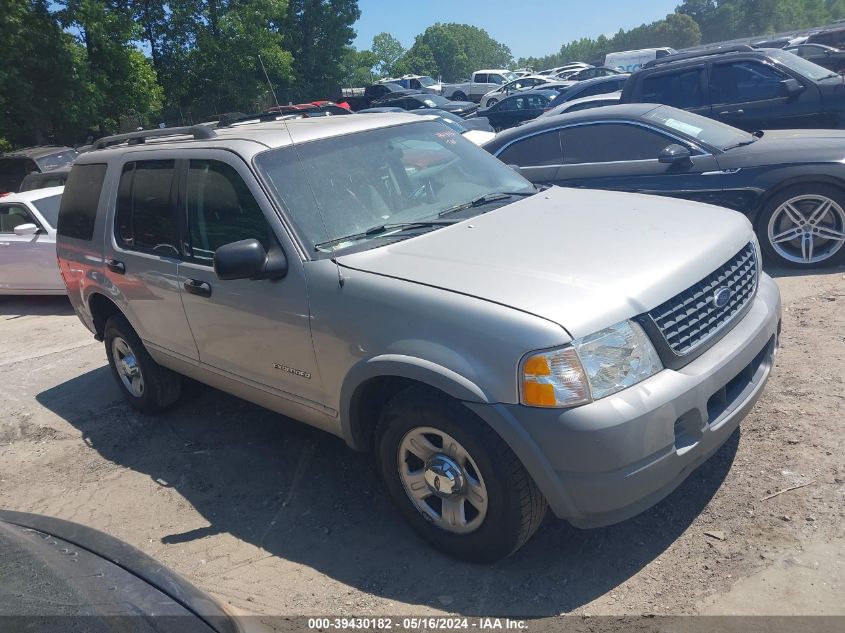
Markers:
point(706, 130)
point(801, 65)
point(413, 173)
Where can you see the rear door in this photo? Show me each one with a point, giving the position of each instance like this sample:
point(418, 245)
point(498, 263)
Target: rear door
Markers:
point(623, 156)
point(256, 330)
point(684, 88)
point(144, 254)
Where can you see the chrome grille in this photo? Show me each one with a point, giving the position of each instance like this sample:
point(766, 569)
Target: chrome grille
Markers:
point(690, 318)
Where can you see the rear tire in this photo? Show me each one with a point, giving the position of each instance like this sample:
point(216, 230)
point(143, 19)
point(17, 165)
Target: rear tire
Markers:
point(145, 384)
point(804, 226)
point(495, 507)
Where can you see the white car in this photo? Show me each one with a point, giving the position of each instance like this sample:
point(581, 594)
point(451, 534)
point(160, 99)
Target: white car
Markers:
point(28, 243)
point(584, 103)
point(523, 83)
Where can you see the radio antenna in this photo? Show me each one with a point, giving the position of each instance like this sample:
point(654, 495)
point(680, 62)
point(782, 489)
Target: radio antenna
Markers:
point(270, 85)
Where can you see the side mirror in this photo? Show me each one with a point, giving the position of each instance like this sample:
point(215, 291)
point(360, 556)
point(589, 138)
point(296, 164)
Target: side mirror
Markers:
point(247, 259)
point(674, 154)
point(26, 229)
point(790, 88)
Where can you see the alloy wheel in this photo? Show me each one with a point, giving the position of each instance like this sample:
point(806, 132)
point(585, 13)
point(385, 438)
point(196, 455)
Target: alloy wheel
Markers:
point(442, 480)
point(807, 229)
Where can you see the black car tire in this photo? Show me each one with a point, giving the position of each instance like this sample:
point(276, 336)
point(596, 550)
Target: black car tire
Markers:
point(515, 506)
point(161, 386)
point(459, 96)
point(770, 208)
point(492, 102)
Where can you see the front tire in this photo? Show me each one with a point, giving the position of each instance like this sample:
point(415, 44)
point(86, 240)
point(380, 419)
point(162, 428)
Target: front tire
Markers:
point(804, 226)
point(491, 102)
point(454, 479)
point(145, 384)
point(459, 96)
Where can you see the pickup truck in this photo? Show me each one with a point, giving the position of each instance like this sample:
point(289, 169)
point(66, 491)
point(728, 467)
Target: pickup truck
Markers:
point(483, 81)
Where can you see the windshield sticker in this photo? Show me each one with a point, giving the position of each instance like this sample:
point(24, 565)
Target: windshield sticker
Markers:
point(686, 128)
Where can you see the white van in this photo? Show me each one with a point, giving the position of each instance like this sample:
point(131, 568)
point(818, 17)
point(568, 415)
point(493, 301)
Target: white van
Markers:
point(629, 61)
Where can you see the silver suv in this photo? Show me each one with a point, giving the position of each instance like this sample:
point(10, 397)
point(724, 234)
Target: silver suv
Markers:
point(498, 348)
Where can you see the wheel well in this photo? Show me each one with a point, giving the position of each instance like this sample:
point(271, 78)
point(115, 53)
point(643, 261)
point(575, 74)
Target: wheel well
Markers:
point(368, 401)
point(102, 309)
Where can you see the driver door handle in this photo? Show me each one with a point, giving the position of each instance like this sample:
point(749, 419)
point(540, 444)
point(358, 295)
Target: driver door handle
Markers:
point(197, 287)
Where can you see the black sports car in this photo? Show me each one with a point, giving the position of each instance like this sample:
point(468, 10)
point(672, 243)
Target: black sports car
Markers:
point(790, 183)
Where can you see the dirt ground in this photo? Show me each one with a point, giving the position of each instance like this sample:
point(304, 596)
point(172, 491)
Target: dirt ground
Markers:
point(277, 518)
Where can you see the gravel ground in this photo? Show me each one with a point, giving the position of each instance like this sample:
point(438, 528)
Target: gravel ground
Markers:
point(277, 518)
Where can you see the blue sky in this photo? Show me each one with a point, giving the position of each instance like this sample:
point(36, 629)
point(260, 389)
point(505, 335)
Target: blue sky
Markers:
point(529, 27)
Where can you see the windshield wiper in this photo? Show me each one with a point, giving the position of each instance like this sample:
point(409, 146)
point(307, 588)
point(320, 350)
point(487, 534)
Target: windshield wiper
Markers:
point(740, 144)
point(374, 231)
point(485, 199)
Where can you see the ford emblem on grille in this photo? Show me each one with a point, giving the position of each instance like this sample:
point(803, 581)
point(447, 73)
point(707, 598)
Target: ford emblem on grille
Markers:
point(721, 297)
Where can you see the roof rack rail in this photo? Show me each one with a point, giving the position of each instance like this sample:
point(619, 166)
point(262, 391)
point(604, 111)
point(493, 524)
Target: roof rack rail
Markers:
point(720, 50)
point(139, 137)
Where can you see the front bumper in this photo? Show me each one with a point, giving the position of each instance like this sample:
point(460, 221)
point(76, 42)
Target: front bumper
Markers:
point(612, 459)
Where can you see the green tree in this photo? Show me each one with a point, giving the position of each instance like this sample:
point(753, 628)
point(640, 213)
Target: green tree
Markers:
point(388, 51)
point(317, 32)
point(678, 31)
point(47, 96)
point(454, 51)
point(357, 67)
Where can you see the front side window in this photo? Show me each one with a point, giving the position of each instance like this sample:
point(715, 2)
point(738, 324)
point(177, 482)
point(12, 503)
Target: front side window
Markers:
point(741, 82)
point(12, 215)
point(534, 151)
point(220, 210)
point(413, 172)
point(496, 79)
point(610, 142)
point(507, 105)
point(679, 89)
point(144, 218)
point(535, 102)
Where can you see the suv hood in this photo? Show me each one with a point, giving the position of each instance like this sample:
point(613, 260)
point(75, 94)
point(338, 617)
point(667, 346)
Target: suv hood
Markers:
point(581, 258)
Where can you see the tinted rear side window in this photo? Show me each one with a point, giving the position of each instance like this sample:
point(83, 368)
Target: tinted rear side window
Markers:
point(534, 151)
point(681, 90)
point(80, 200)
point(611, 142)
point(145, 218)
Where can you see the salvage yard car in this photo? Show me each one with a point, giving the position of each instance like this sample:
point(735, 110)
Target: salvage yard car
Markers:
point(499, 348)
point(482, 82)
point(790, 183)
point(752, 89)
point(28, 243)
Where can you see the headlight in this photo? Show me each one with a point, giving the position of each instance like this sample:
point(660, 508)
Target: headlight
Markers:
point(589, 368)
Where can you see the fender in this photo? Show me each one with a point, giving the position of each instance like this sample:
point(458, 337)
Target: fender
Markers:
point(401, 366)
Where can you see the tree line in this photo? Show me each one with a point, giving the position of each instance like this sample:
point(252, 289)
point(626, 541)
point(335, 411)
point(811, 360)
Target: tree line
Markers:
point(72, 69)
point(696, 22)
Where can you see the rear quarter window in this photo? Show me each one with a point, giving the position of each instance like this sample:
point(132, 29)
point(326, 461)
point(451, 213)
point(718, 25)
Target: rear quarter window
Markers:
point(81, 197)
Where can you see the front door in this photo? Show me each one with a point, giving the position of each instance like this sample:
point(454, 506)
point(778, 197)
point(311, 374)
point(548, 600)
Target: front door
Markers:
point(623, 157)
point(27, 262)
point(256, 330)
